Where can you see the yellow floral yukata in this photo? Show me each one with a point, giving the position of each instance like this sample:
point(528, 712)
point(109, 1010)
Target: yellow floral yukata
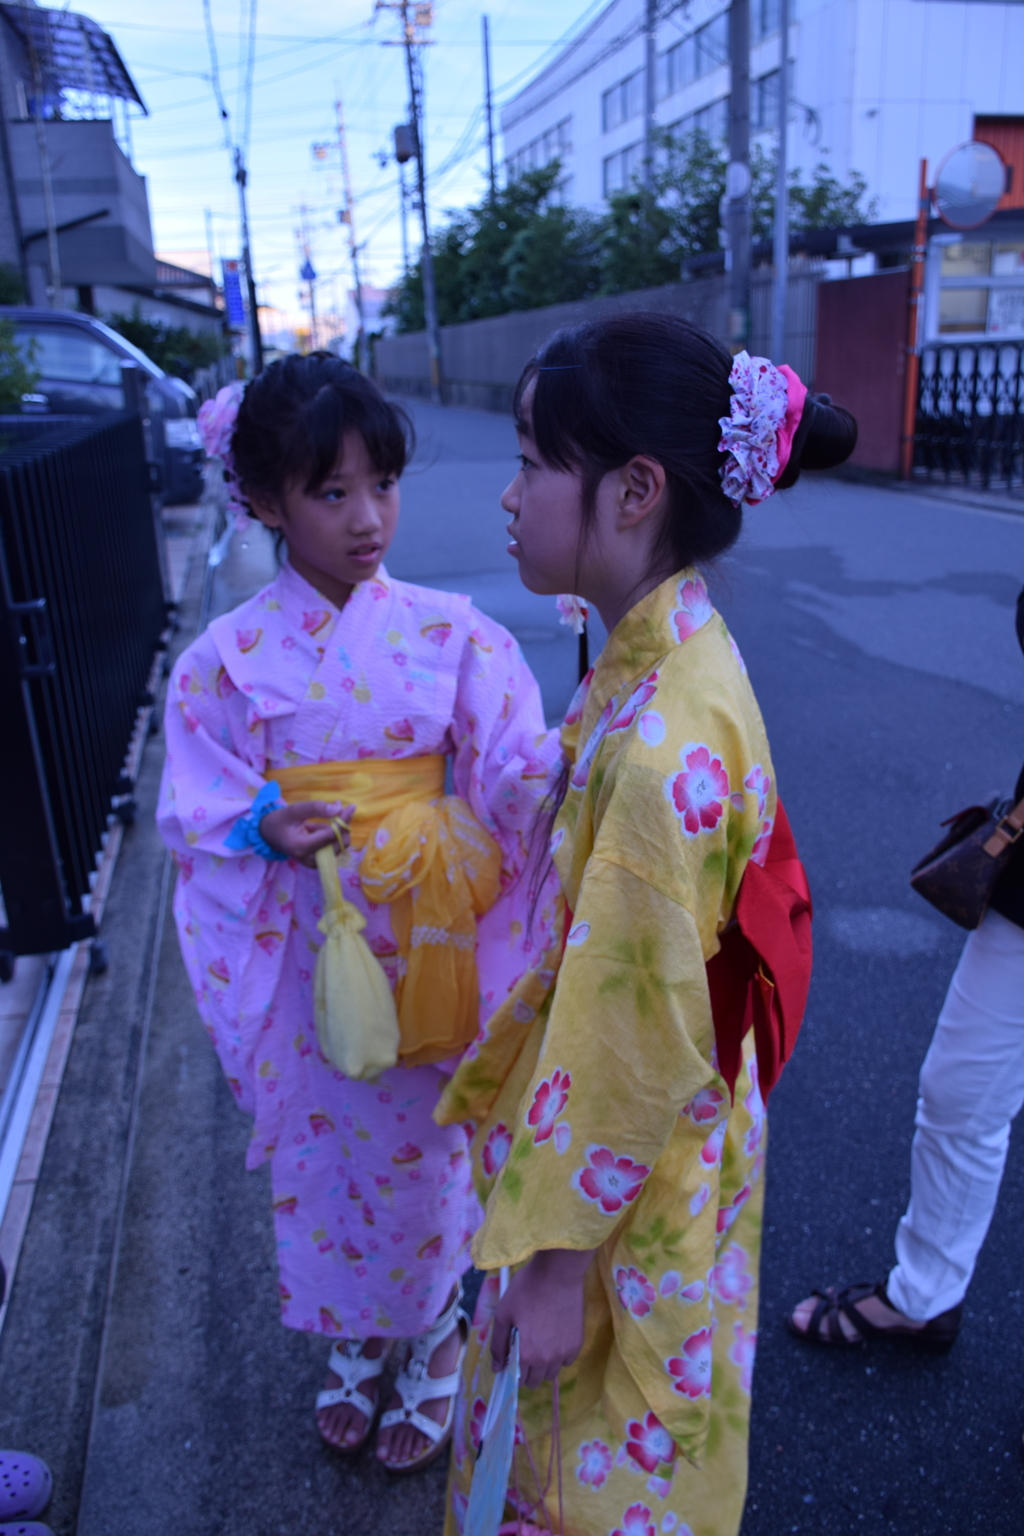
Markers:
point(601, 1119)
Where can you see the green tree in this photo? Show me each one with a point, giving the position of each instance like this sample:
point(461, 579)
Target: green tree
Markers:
point(823, 202)
point(17, 376)
point(502, 253)
point(12, 289)
point(638, 242)
point(174, 348)
point(689, 183)
point(555, 259)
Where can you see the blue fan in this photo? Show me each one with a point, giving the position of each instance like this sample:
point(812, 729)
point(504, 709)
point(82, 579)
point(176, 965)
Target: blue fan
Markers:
point(497, 1442)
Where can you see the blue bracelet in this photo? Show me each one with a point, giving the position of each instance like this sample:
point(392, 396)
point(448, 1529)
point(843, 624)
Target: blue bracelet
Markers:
point(245, 833)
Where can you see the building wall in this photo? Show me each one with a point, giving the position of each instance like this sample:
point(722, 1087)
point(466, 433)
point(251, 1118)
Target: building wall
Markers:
point(879, 83)
point(90, 175)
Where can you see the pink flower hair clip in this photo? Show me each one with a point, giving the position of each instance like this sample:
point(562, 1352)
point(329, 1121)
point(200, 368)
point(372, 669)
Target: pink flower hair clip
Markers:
point(216, 424)
point(757, 436)
point(572, 611)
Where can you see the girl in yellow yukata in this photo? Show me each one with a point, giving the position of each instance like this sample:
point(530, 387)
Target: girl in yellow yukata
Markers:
point(620, 1130)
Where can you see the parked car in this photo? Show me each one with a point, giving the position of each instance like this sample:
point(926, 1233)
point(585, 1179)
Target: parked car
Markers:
point(79, 362)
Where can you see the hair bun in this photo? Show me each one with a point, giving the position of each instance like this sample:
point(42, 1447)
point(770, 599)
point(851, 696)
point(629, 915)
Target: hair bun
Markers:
point(825, 438)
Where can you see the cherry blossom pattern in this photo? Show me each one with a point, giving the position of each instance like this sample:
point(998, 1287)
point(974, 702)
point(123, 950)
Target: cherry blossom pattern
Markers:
point(595, 1463)
point(762, 842)
point(550, 1098)
point(759, 783)
point(634, 705)
point(649, 1443)
point(691, 1368)
point(693, 608)
point(699, 1199)
point(581, 772)
point(609, 1182)
point(496, 1150)
point(731, 1280)
point(704, 1105)
point(635, 1292)
point(637, 1521)
point(742, 1351)
point(699, 793)
point(727, 1213)
point(476, 1423)
point(711, 1151)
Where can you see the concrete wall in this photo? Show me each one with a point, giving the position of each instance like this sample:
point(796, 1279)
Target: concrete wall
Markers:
point(482, 359)
point(861, 362)
point(90, 174)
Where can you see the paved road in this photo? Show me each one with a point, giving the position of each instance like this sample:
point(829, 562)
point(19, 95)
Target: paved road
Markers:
point(877, 627)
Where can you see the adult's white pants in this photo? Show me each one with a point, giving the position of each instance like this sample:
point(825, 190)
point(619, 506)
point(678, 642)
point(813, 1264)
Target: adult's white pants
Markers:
point(972, 1085)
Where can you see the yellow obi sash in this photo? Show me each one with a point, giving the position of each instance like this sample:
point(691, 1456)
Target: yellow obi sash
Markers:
point(427, 856)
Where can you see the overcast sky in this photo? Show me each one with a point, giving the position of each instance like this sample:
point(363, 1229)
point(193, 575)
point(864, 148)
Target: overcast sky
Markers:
point(307, 54)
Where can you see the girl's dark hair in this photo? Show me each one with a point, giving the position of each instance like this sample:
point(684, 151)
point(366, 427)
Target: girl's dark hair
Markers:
point(656, 385)
point(294, 415)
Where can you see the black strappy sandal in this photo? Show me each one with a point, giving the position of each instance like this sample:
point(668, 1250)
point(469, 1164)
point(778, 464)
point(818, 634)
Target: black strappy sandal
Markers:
point(824, 1325)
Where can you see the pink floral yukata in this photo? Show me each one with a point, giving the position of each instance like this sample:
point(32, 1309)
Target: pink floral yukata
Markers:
point(373, 1202)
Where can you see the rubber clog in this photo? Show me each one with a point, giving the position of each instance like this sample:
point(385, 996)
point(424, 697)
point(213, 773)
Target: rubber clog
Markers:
point(26, 1486)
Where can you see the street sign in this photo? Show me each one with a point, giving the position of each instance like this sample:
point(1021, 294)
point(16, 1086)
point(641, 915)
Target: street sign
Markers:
point(306, 272)
point(233, 302)
point(969, 184)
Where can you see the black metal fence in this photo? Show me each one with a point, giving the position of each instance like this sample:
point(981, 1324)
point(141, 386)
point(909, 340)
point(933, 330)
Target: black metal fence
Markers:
point(970, 414)
point(82, 613)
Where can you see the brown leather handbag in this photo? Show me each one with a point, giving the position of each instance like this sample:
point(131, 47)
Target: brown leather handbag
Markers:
point(960, 874)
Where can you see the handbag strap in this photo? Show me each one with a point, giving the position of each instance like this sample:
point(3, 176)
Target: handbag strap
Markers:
point(1007, 831)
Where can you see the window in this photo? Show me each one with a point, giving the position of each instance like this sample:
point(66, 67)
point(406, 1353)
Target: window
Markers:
point(554, 144)
point(700, 53)
point(67, 355)
point(621, 168)
point(712, 120)
point(764, 18)
point(764, 102)
point(962, 309)
point(713, 44)
point(623, 101)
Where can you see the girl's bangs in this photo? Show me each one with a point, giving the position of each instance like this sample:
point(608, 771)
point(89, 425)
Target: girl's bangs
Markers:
point(385, 429)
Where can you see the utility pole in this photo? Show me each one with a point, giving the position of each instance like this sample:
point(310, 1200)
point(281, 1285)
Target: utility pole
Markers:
point(780, 283)
point(353, 248)
point(650, 90)
point(307, 273)
point(413, 25)
point(914, 311)
point(255, 337)
point(737, 176)
point(54, 287)
point(489, 108)
point(403, 211)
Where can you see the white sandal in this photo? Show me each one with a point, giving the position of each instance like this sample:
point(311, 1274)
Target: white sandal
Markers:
point(414, 1386)
point(352, 1367)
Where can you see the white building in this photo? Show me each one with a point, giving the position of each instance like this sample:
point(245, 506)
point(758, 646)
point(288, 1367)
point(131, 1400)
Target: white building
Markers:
point(876, 86)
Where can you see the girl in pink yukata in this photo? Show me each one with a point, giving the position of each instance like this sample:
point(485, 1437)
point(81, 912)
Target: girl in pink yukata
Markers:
point(337, 663)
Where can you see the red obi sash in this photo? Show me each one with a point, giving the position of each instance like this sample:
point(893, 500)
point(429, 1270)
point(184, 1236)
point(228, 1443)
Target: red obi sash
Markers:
point(761, 975)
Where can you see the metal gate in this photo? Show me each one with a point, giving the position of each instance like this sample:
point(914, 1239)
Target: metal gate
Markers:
point(970, 414)
point(82, 613)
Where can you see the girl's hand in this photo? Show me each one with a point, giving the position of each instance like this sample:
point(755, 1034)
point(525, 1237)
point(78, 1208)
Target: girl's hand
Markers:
point(298, 831)
point(544, 1301)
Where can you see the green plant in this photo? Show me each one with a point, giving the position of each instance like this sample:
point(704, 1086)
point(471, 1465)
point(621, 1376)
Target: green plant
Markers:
point(12, 288)
point(17, 376)
point(174, 348)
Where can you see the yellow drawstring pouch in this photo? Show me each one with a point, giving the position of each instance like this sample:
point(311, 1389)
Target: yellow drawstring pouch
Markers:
point(356, 1020)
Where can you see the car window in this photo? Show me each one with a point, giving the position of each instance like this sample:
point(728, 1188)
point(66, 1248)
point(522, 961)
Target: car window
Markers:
point(68, 354)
